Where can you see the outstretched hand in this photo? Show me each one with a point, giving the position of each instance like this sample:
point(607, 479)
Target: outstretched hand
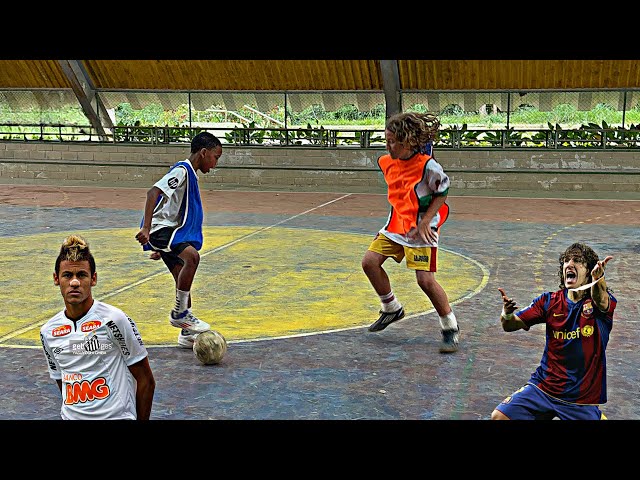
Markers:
point(509, 303)
point(598, 269)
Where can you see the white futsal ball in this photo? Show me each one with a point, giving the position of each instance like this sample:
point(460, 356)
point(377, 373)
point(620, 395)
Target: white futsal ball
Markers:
point(209, 347)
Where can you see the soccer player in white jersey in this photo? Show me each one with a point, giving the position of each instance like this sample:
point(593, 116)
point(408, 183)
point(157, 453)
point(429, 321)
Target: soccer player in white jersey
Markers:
point(172, 228)
point(94, 351)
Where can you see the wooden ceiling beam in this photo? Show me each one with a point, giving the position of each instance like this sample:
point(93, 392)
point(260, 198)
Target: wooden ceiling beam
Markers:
point(85, 93)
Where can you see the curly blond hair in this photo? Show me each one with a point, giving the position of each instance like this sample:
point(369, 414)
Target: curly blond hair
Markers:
point(75, 249)
point(414, 129)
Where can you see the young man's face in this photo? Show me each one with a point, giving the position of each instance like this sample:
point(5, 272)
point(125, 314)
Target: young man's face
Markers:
point(211, 157)
point(395, 148)
point(575, 273)
point(75, 281)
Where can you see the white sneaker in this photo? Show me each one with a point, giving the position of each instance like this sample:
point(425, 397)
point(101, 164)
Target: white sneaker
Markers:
point(188, 321)
point(186, 339)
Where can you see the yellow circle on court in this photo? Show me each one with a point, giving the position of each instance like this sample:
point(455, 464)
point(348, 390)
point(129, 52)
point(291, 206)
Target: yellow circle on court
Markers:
point(252, 283)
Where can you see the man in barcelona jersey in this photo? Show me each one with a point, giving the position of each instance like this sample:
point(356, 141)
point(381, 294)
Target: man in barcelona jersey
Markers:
point(571, 381)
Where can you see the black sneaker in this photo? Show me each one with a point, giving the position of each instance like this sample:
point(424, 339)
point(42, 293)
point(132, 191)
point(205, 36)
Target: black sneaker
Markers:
point(450, 339)
point(385, 319)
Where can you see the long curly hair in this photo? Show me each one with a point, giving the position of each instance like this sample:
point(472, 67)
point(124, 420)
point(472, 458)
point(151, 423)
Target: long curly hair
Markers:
point(414, 129)
point(581, 253)
point(75, 249)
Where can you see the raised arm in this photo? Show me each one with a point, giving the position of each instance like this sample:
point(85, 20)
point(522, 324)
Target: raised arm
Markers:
point(599, 290)
point(510, 321)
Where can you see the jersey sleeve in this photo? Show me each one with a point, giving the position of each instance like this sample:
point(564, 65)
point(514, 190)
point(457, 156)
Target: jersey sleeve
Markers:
point(124, 333)
point(612, 306)
point(535, 312)
point(437, 180)
point(52, 365)
point(172, 180)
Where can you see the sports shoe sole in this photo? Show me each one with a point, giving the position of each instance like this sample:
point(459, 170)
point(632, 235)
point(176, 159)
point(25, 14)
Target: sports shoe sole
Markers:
point(386, 319)
point(185, 341)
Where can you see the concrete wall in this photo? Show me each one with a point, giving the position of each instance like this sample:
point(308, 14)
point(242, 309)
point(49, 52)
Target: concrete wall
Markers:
point(321, 169)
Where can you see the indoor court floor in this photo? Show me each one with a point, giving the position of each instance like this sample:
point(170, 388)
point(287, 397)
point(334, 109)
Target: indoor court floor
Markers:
point(280, 278)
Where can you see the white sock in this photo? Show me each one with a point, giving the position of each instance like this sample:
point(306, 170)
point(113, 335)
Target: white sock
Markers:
point(182, 301)
point(448, 322)
point(390, 303)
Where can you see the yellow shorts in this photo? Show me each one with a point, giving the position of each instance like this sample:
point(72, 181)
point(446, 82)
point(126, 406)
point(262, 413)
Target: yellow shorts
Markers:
point(418, 258)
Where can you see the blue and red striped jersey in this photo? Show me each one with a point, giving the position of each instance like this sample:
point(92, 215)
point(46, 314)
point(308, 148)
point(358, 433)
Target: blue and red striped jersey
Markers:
point(573, 367)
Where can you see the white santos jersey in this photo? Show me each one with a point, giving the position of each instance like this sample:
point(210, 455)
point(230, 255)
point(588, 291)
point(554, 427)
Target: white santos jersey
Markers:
point(168, 211)
point(91, 356)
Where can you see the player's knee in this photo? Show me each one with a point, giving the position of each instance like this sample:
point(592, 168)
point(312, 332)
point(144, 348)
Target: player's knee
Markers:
point(365, 264)
point(369, 264)
point(190, 256)
point(427, 282)
point(372, 261)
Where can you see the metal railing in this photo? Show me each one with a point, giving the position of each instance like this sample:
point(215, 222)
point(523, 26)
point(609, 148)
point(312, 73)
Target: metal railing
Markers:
point(454, 138)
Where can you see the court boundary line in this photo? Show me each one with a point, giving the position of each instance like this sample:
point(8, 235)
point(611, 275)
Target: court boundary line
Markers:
point(32, 326)
point(483, 283)
point(341, 196)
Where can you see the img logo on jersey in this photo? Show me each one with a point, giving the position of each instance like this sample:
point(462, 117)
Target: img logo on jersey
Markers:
point(86, 391)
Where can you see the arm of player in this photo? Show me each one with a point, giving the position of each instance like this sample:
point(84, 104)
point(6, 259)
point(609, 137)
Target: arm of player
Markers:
point(152, 198)
point(599, 290)
point(145, 387)
point(424, 228)
point(510, 321)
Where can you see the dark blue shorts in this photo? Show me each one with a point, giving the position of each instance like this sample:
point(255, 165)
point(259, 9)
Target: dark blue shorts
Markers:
point(160, 239)
point(531, 403)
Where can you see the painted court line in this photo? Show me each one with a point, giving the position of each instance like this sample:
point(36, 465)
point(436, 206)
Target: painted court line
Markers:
point(38, 324)
point(476, 291)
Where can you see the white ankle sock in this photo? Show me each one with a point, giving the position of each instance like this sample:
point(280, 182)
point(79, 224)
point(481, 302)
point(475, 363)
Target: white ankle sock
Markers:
point(448, 321)
point(182, 301)
point(390, 303)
